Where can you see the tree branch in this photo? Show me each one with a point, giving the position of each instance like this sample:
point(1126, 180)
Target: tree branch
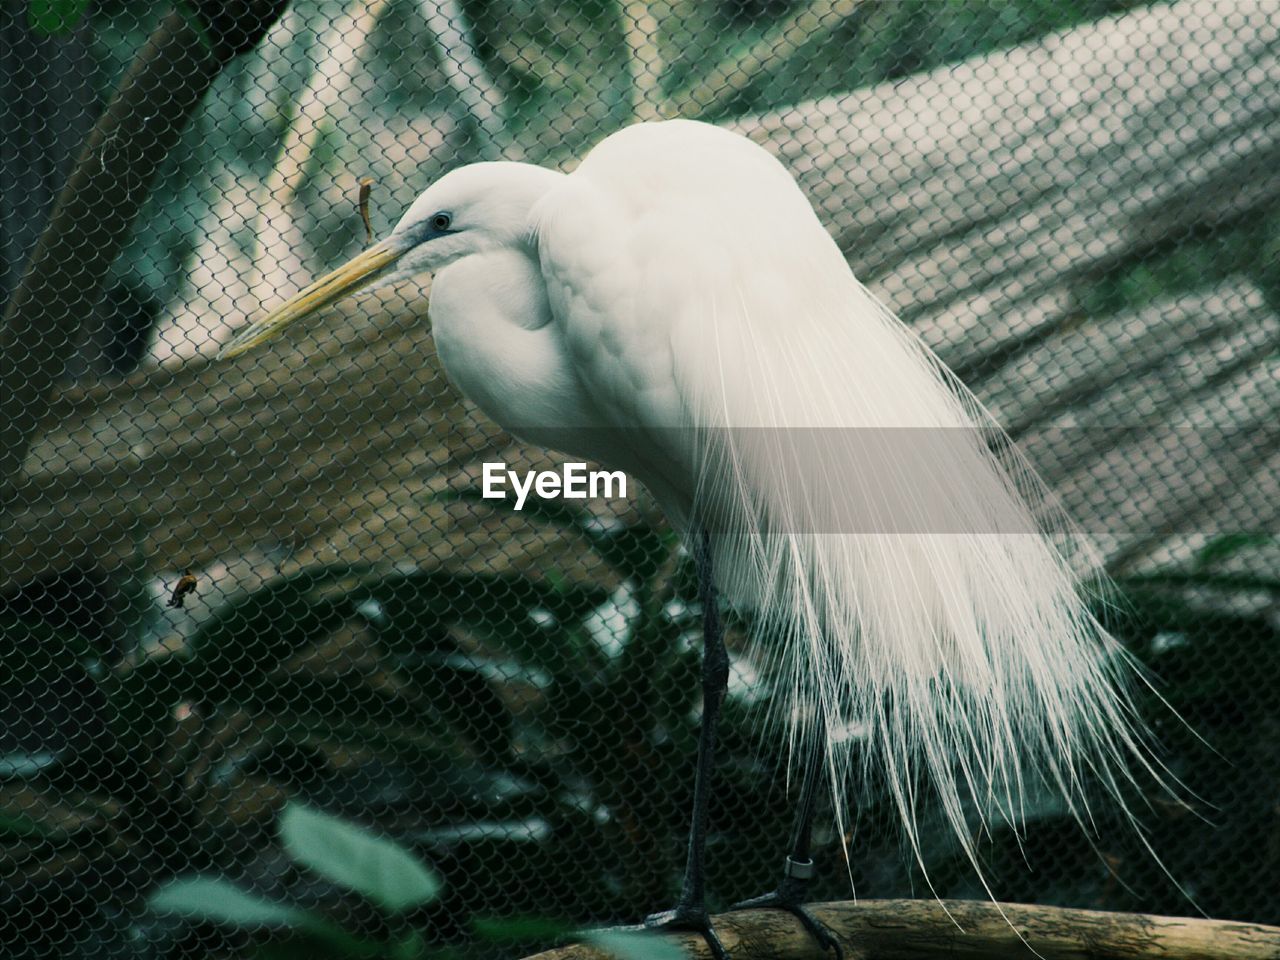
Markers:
point(103, 195)
point(280, 265)
point(915, 929)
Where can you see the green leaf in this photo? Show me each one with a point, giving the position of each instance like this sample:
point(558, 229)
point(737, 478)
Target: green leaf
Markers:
point(519, 928)
point(461, 696)
point(416, 609)
point(31, 651)
point(355, 858)
point(217, 901)
point(333, 944)
point(19, 826)
point(208, 898)
point(24, 765)
point(55, 16)
point(1194, 578)
point(412, 947)
point(1227, 546)
point(236, 648)
point(634, 945)
point(142, 698)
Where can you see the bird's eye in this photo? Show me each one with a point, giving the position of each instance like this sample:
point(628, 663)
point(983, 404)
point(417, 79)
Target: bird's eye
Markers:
point(441, 221)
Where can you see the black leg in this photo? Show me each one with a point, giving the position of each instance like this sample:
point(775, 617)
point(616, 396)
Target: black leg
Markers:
point(798, 870)
point(690, 911)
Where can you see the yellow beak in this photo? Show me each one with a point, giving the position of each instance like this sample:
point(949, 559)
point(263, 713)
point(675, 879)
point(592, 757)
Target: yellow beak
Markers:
point(359, 271)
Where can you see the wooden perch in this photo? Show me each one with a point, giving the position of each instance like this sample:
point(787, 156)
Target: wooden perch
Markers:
point(916, 929)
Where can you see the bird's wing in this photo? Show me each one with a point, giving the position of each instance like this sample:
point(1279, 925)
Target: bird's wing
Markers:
point(671, 259)
point(622, 296)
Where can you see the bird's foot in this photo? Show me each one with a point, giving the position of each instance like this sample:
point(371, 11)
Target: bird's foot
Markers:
point(689, 917)
point(790, 896)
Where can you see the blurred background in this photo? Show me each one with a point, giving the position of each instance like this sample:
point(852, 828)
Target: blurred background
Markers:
point(1076, 203)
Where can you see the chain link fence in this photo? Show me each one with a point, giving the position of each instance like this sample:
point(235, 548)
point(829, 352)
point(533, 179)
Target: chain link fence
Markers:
point(258, 629)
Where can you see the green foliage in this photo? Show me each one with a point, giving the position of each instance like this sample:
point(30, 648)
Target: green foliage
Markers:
point(489, 700)
point(633, 945)
point(515, 777)
point(55, 16)
point(1224, 548)
point(207, 898)
point(882, 41)
point(231, 655)
point(494, 713)
point(353, 857)
point(1214, 568)
point(20, 827)
point(563, 70)
point(519, 928)
point(1216, 657)
point(381, 870)
point(1250, 248)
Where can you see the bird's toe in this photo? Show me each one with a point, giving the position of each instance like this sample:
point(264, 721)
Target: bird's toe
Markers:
point(693, 919)
point(783, 899)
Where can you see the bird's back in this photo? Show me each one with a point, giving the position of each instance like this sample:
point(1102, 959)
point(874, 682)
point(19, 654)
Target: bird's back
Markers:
point(858, 497)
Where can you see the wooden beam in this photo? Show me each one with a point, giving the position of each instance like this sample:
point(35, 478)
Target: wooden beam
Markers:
point(921, 929)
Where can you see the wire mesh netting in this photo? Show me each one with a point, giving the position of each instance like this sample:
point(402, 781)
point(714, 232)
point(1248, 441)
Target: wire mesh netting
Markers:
point(275, 677)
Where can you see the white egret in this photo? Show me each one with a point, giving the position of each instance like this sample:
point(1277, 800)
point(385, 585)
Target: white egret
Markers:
point(674, 308)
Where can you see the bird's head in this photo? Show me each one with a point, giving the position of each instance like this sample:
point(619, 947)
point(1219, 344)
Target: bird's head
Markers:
point(473, 209)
